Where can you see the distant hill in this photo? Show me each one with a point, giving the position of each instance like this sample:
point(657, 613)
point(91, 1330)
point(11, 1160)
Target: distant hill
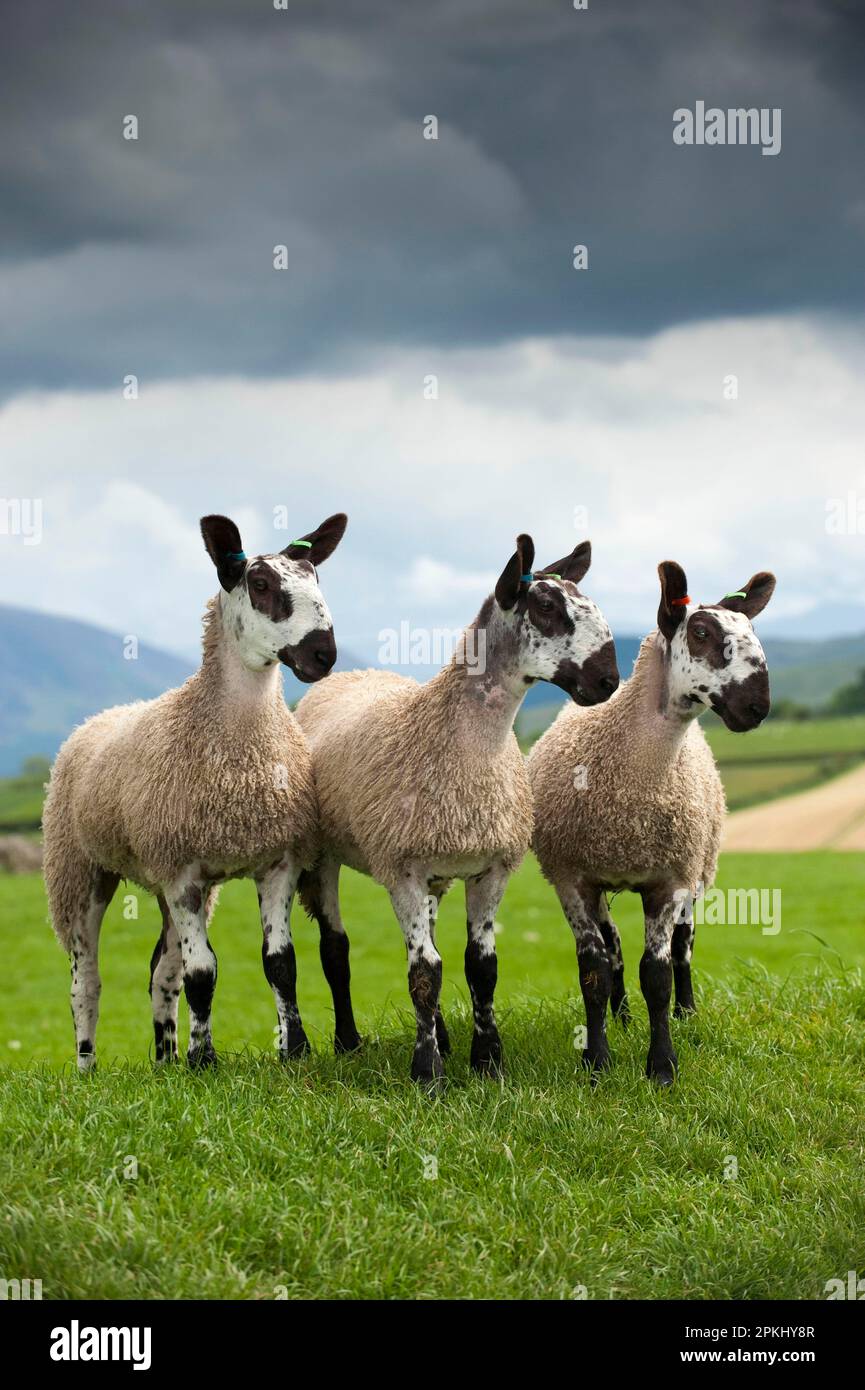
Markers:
point(800, 669)
point(55, 672)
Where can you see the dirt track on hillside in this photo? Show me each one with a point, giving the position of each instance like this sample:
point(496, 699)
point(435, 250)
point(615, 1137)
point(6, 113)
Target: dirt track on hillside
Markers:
point(828, 817)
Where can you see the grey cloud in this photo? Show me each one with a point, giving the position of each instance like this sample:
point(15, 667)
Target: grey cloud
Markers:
point(260, 127)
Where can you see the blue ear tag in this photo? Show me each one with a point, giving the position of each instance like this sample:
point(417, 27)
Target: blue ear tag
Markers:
point(236, 555)
point(526, 578)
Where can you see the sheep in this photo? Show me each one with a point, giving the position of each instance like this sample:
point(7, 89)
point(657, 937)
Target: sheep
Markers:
point(628, 796)
point(419, 785)
point(208, 782)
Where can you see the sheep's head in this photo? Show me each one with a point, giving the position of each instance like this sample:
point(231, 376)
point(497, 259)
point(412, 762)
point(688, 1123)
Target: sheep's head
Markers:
point(716, 659)
point(272, 607)
point(562, 636)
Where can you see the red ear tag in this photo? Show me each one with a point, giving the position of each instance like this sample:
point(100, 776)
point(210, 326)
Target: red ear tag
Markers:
point(680, 602)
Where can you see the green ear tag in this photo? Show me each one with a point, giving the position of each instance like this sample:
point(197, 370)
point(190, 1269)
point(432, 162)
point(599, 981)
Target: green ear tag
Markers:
point(308, 544)
point(738, 594)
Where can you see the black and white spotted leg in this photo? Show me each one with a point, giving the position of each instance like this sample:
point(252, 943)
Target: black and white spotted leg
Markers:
point(581, 904)
point(619, 1005)
point(86, 984)
point(410, 898)
point(483, 898)
point(320, 891)
point(276, 890)
point(682, 950)
point(166, 978)
point(661, 907)
point(437, 890)
point(186, 897)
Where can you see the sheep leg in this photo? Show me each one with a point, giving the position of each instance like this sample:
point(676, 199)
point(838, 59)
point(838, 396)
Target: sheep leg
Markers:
point(411, 904)
point(581, 904)
point(276, 890)
point(166, 973)
point(319, 890)
point(661, 910)
point(619, 1005)
point(186, 897)
point(682, 948)
point(483, 897)
point(437, 892)
point(86, 984)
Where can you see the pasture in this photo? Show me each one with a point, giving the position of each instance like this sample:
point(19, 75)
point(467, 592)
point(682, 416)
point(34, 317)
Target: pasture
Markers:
point(335, 1177)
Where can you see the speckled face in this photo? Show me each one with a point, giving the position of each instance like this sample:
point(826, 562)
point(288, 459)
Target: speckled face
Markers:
point(277, 612)
point(716, 660)
point(564, 638)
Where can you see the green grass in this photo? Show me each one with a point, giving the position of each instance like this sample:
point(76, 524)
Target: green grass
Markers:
point(309, 1179)
point(20, 803)
point(778, 738)
point(782, 756)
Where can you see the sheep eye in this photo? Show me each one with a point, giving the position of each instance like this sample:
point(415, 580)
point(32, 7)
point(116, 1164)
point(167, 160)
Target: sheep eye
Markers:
point(700, 634)
point(545, 605)
point(259, 585)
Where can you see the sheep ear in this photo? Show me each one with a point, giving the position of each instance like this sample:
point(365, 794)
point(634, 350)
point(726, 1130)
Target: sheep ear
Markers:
point(225, 548)
point(752, 598)
point(316, 546)
point(674, 590)
point(511, 578)
point(574, 566)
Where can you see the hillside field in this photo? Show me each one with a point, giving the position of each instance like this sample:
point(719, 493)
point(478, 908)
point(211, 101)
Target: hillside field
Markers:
point(336, 1177)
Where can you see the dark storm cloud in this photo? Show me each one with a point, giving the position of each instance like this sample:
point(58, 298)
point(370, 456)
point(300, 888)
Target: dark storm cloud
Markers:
point(260, 127)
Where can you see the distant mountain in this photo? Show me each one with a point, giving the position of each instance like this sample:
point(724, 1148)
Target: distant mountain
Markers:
point(55, 672)
point(800, 669)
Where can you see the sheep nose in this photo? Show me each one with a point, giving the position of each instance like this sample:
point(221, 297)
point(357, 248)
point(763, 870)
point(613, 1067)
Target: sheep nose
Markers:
point(609, 683)
point(325, 656)
point(759, 709)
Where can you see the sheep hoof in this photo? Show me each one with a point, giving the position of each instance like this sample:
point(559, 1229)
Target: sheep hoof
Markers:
point(596, 1062)
point(200, 1058)
point(684, 1010)
point(296, 1045)
point(662, 1072)
point(351, 1042)
point(427, 1068)
point(486, 1057)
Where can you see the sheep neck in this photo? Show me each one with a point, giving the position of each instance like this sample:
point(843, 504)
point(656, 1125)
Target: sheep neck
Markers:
point(482, 687)
point(226, 684)
point(644, 705)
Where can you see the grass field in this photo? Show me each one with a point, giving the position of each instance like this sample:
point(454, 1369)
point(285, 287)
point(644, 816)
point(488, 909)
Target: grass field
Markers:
point(782, 756)
point(317, 1179)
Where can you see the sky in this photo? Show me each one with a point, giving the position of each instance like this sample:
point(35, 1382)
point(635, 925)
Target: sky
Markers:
point(694, 393)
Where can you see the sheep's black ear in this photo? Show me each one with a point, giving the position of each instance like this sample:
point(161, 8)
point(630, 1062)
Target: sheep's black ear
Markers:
point(225, 549)
point(752, 598)
point(674, 592)
point(574, 566)
point(512, 576)
point(317, 545)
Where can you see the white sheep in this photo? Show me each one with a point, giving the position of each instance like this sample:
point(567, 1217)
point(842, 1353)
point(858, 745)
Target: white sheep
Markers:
point(422, 784)
point(208, 782)
point(628, 796)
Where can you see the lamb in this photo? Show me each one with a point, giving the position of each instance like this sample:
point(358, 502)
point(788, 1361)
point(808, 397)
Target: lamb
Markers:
point(628, 797)
point(208, 782)
point(420, 785)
